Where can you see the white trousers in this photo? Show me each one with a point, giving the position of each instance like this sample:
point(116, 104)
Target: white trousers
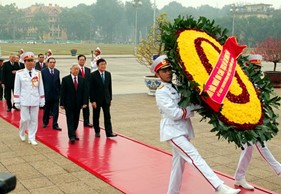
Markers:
point(246, 156)
point(184, 151)
point(29, 120)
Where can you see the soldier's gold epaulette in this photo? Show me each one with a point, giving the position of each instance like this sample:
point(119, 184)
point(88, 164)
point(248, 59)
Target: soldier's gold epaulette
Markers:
point(161, 86)
point(37, 70)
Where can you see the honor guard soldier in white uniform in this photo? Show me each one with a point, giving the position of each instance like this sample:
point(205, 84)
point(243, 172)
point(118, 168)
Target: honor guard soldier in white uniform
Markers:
point(95, 58)
point(21, 56)
point(176, 129)
point(247, 152)
point(28, 96)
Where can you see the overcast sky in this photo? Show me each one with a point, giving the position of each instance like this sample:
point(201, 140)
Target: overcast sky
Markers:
point(159, 3)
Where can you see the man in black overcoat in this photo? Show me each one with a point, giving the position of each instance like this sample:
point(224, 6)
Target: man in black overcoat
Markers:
point(85, 72)
point(8, 78)
point(40, 64)
point(101, 96)
point(51, 80)
point(74, 96)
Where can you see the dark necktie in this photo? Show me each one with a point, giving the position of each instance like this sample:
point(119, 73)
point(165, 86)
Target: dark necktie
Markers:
point(30, 74)
point(102, 77)
point(174, 87)
point(41, 65)
point(75, 83)
point(52, 71)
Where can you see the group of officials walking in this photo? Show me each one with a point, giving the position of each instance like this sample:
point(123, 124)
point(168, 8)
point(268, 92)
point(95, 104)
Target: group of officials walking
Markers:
point(39, 85)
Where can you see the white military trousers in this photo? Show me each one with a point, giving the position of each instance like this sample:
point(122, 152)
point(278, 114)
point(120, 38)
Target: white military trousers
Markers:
point(184, 151)
point(246, 156)
point(29, 120)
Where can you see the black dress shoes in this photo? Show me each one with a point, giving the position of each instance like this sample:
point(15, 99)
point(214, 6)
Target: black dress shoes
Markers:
point(57, 128)
point(77, 138)
point(14, 107)
point(72, 140)
point(8, 110)
point(44, 125)
point(112, 135)
point(88, 125)
point(97, 135)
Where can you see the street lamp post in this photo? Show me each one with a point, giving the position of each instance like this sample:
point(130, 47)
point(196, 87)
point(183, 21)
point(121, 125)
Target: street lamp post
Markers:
point(154, 18)
point(154, 14)
point(232, 25)
point(233, 11)
point(136, 30)
point(136, 4)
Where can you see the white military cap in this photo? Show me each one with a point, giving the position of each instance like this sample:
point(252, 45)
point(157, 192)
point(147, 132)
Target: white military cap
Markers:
point(255, 59)
point(50, 51)
point(160, 63)
point(98, 49)
point(28, 55)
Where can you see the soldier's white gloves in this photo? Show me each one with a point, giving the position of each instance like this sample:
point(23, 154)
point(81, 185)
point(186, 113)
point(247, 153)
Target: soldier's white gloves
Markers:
point(17, 105)
point(189, 112)
point(195, 107)
point(42, 104)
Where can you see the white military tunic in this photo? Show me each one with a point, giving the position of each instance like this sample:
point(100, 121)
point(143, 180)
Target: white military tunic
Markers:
point(175, 120)
point(29, 94)
point(29, 91)
point(176, 128)
point(94, 66)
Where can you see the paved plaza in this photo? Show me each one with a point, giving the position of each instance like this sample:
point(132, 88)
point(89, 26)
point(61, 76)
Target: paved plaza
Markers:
point(39, 169)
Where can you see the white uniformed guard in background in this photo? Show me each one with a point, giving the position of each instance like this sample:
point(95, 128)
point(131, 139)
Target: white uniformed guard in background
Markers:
point(28, 96)
point(247, 151)
point(176, 129)
point(21, 56)
point(95, 58)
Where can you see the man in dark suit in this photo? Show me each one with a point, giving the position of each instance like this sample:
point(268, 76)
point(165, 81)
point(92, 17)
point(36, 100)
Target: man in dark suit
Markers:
point(8, 78)
point(51, 80)
point(74, 96)
point(17, 60)
point(40, 65)
point(101, 96)
point(85, 72)
point(1, 88)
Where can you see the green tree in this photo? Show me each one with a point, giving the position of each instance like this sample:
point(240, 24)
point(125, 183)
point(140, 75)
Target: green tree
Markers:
point(39, 21)
point(152, 44)
point(11, 19)
point(111, 21)
point(209, 12)
point(274, 24)
point(171, 7)
point(76, 21)
point(144, 18)
point(107, 16)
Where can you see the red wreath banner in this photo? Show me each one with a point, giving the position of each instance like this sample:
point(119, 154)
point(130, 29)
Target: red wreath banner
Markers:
point(220, 79)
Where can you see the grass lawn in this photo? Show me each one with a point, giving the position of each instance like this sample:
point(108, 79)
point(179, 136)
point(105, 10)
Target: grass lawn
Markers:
point(64, 49)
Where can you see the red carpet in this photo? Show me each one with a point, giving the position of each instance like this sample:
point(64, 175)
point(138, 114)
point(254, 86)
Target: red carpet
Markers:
point(128, 165)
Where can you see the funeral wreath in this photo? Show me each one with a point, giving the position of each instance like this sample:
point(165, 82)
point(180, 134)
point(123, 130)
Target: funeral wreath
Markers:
point(237, 101)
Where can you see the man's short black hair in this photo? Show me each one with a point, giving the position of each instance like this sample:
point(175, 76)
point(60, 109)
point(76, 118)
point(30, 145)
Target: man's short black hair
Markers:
point(81, 56)
point(48, 59)
point(100, 60)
